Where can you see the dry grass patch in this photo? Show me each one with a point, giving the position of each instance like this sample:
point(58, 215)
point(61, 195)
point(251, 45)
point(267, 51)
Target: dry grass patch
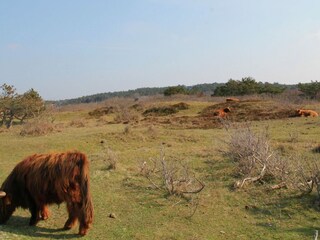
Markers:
point(126, 115)
point(78, 123)
point(37, 128)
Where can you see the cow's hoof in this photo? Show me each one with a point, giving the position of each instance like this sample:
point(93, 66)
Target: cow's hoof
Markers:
point(67, 227)
point(83, 232)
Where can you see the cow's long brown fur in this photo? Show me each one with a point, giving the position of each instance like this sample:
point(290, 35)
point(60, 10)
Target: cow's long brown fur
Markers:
point(43, 179)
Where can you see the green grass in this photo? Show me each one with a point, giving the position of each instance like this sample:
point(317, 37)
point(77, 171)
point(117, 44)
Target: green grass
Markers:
point(146, 213)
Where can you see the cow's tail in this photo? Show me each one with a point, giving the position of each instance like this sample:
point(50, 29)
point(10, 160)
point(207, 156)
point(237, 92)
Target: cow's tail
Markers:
point(87, 206)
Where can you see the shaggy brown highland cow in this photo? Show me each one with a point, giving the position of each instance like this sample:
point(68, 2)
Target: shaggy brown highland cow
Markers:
point(306, 113)
point(222, 113)
point(232, 100)
point(43, 179)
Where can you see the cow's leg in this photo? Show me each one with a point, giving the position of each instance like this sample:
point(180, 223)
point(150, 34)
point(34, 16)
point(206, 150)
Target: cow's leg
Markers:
point(83, 227)
point(34, 210)
point(84, 224)
point(85, 219)
point(44, 213)
point(73, 215)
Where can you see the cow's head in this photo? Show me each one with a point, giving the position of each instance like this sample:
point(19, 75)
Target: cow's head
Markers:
point(298, 112)
point(227, 109)
point(6, 207)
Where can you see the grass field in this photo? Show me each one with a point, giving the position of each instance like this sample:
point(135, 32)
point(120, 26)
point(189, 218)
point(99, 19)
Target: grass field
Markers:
point(144, 212)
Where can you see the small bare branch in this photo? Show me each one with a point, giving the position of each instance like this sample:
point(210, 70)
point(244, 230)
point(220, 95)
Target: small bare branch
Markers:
point(278, 186)
point(170, 176)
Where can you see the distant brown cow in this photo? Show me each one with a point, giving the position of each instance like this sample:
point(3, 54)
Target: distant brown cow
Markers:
point(43, 179)
point(232, 100)
point(306, 113)
point(222, 113)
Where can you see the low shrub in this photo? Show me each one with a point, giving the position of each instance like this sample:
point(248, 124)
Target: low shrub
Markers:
point(160, 111)
point(37, 128)
point(181, 106)
point(102, 111)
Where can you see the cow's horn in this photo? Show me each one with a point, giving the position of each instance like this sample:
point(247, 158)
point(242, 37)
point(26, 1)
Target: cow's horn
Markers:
point(2, 194)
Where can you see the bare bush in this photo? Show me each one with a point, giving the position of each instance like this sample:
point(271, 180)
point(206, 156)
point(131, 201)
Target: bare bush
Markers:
point(170, 176)
point(254, 156)
point(257, 161)
point(305, 175)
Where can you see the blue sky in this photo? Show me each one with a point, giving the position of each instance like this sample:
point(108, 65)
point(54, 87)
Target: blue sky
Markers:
point(67, 49)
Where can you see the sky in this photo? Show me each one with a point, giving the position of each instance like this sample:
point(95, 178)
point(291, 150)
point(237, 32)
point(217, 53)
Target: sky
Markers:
point(67, 49)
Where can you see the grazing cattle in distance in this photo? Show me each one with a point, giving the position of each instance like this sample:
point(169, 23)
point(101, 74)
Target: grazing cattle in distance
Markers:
point(43, 179)
point(232, 100)
point(222, 113)
point(306, 113)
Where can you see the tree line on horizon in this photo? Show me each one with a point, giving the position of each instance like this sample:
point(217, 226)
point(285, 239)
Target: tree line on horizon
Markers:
point(205, 88)
point(245, 86)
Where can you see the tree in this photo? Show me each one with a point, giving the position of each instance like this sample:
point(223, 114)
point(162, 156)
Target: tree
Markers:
point(175, 90)
point(7, 104)
point(15, 106)
point(274, 88)
point(31, 105)
point(247, 86)
point(311, 90)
